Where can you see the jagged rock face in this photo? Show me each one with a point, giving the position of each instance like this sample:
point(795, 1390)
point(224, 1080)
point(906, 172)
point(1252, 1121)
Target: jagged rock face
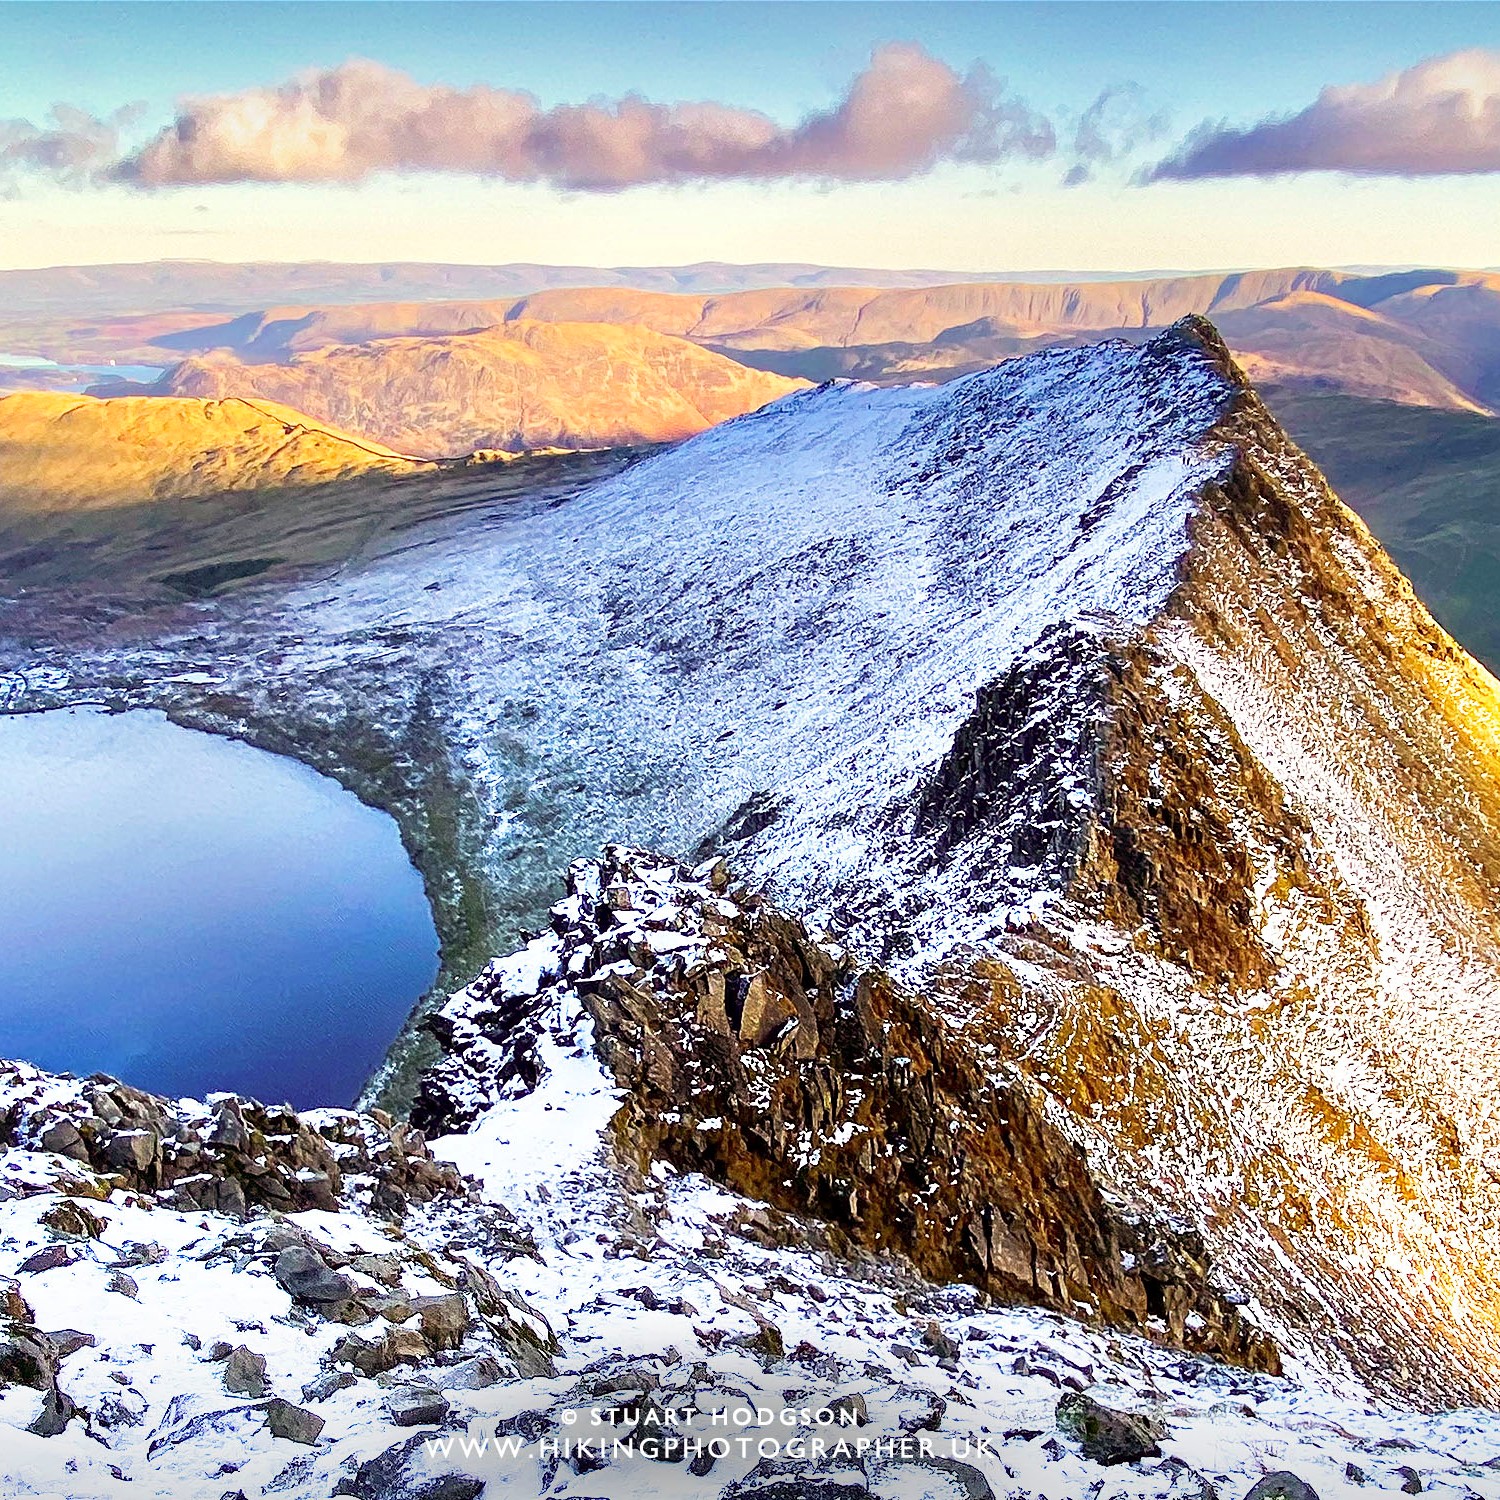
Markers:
point(232, 1155)
point(761, 1056)
point(1283, 800)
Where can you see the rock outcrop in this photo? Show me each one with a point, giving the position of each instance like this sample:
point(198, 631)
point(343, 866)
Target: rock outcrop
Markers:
point(764, 1057)
point(232, 1155)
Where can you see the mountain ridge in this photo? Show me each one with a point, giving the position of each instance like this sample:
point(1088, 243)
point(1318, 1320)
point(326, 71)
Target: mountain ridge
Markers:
point(515, 386)
point(1066, 691)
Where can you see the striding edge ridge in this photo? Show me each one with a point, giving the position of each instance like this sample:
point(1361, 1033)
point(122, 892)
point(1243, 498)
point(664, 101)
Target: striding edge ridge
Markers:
point(764, 1057)
point(1202, 889)
point(1263, 983)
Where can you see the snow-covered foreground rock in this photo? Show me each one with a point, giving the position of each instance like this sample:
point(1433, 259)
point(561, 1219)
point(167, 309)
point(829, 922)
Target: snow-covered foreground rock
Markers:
point(574, 1328)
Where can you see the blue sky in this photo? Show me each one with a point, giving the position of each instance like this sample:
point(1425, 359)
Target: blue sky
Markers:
point(1187, 63)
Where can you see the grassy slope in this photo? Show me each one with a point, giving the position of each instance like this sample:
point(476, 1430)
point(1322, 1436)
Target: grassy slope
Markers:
point(62, 452)
point(1427, 483)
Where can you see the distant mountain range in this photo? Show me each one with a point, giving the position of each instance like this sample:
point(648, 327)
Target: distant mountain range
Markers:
point(1424, 338)
point(216, 285)
point(521, 385)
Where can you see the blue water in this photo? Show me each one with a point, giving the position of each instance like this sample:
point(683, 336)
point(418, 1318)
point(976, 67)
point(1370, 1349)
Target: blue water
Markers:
point(189, 913)
point(82, 375)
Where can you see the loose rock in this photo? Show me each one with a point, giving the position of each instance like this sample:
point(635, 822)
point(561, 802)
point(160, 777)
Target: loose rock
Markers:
point(245, 1373)
point(397, 1474)
point(306, 1277)
point(1282, 1486)
point(416, 1406)
point(444, 1319)
point(294, 1423)
point(1111, 1437)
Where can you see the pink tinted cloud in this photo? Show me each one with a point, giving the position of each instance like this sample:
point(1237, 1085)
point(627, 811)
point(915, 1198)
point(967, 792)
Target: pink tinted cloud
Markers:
point(905, 113)
point(1440, 116)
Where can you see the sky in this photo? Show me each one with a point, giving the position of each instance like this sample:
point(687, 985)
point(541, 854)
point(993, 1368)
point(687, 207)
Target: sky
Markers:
point(975, 137)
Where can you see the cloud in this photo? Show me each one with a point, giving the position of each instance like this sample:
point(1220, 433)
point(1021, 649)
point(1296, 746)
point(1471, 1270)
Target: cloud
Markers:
point(904, 114)
point(1441, 116)
point(73, 146)
point(1115, 125)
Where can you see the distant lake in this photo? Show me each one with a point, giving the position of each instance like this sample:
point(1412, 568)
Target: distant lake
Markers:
point(191, 914)
point(81, 375)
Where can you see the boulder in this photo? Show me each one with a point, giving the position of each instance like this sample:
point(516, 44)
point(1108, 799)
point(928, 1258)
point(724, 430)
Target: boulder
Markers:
point(1282, 1486)
point(400, 1473)
point(12, 1304)
point(27, 1357)
point(305, 1276)
point(57, 1411)
point(445, 1320)
point(63, 1137)
point(69, 1341)
point(849, 1410)
point(416, 1406)
point(475, 1374)
point(229, 1129)
point(71, 1218)
point(941, 1344)
point(245, 1373)
point(1110, 1437)
point(132, 1151)
point(294, 1423)
point(401, 1346)
point(766, 1342)
point(49, 1259)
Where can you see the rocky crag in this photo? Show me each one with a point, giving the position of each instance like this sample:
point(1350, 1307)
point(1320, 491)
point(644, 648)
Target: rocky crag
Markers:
point(557, 1321)
point(765, 1059)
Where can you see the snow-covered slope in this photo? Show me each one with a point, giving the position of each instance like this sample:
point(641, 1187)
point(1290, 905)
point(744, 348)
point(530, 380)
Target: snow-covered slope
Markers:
point(1067, 694)
point(498, 1342)
point(797, 605)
